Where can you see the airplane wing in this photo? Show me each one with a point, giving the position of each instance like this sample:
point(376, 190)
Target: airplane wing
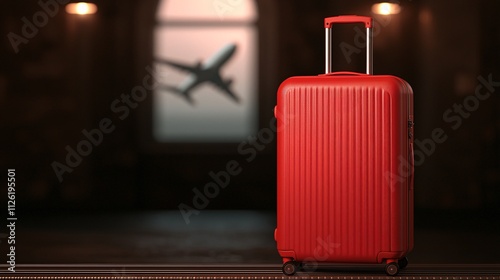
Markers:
point(188, 84)
point(178, 91)
point(180, 66)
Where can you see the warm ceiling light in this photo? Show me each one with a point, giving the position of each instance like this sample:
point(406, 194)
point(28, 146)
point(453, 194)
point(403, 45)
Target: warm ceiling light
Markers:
point(386, 8)
point(81, 8)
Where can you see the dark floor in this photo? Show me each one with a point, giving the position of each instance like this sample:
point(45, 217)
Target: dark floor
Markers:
point(222, 237)
point(248, 271)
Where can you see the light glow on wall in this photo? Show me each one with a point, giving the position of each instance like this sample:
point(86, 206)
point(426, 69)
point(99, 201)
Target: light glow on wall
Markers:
point(81, 8)
point(386, 8)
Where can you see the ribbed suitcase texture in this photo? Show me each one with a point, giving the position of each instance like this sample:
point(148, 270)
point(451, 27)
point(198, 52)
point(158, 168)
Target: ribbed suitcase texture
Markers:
point(345, 169)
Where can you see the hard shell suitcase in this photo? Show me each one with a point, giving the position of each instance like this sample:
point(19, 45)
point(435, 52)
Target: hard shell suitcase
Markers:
point(345, 166)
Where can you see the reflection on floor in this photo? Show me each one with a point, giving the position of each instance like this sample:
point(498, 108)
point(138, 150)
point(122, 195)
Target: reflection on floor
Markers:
point(222, 237)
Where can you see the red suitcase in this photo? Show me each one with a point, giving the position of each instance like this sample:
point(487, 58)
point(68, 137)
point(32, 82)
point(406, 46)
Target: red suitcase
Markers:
point(345, 166)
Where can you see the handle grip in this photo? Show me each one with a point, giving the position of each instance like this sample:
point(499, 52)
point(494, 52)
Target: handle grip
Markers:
point(367, 21)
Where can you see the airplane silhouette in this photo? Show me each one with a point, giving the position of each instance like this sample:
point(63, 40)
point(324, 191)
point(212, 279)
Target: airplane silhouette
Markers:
point(209, 71)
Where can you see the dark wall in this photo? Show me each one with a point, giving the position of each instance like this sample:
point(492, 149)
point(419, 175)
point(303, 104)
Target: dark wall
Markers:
point(64, 79)
point(58, 83)
point(453, 51)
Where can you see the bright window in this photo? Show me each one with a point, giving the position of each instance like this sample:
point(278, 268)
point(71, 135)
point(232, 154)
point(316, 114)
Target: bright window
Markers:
point(206, 54)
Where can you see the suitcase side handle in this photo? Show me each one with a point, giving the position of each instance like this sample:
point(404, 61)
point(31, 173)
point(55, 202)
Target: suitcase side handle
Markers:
point(367, 21)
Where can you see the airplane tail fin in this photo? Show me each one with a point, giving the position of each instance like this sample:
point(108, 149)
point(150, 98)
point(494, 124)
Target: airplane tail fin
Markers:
point(233, 96)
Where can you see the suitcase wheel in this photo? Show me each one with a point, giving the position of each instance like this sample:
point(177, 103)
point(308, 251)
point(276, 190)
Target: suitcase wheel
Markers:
point(392, 269)
point(289, 268)
point(403, 263)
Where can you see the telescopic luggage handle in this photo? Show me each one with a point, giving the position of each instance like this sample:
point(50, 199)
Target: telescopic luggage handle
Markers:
point(368, 21)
